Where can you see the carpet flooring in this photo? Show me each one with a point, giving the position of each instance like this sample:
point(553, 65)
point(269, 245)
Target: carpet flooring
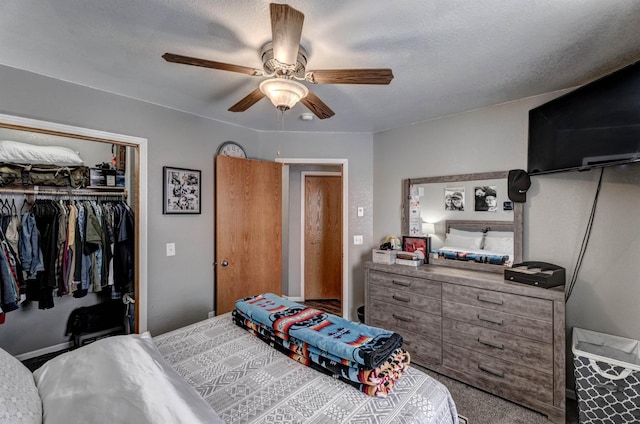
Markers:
point(483, 408)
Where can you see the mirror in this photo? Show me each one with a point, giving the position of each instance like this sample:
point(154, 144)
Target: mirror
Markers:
point(465, 202)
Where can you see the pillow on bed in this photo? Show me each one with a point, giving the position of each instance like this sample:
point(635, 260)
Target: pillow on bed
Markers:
point(120, 379)
point(463, 242)
point(23, 153)
point(19, 399)
point(499, 245)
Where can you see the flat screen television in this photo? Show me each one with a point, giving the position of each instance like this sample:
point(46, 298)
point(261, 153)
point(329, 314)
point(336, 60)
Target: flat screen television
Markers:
point(595, 125)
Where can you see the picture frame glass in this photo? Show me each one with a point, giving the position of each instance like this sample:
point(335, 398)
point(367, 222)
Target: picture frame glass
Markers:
point(181, 190)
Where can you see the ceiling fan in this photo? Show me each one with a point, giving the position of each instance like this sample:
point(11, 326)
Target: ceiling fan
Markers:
point(284, 62)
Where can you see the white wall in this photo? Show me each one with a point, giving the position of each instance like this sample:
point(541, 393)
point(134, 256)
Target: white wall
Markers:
point(607, 292)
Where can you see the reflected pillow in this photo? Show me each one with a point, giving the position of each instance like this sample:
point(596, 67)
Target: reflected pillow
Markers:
point(463, 242)
point(491, 233)
point(466, 233)
point(30, 154)
point(499, 245)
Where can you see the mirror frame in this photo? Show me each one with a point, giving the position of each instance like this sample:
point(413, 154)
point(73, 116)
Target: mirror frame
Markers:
point(518, 222)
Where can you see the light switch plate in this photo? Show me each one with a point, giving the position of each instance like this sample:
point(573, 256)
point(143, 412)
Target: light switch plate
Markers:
point(360, 211)
point(171, 249)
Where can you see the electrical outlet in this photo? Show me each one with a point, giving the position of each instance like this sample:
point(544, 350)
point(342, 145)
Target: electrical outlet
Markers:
point(171, 249)
point(358, 240)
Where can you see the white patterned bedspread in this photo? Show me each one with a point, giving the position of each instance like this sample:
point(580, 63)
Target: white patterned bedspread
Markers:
point(247, 381)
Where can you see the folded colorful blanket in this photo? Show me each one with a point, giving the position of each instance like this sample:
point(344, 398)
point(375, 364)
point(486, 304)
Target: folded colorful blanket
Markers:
point(379, 390)
point(473, 257)
point(391, 369)
point(366, 345)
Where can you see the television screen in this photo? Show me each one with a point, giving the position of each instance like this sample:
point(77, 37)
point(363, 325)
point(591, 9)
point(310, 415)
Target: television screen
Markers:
point(595, 125)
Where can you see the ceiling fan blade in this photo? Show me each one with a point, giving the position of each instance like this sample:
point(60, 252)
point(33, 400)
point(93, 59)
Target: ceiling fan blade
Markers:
point(286, 30)
point(317, 106)
point(248, 101)
point(350, 76)
point(187, 60)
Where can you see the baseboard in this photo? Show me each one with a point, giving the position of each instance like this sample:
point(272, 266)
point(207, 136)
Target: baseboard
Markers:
point(44, 351)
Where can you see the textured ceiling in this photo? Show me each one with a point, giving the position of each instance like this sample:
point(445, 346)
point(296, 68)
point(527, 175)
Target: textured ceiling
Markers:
point(447, 56)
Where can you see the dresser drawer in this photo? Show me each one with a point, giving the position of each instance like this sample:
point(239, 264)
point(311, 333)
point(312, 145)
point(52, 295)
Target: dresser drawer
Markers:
point(514, 349)
point(405, 298)
point(423, 350)
point(502, 378)
point(501, 321)
point(404, 319)
point(539, 309)
point(402, 283)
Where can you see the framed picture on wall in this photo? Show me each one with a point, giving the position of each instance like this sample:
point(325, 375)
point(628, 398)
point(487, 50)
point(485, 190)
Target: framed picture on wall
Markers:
point(417, 244)
point(181, 190)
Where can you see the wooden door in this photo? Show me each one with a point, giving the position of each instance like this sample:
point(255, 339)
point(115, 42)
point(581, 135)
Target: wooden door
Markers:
point(323, 237)
point(248, 230)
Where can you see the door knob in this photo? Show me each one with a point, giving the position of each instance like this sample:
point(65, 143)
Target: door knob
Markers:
point(225, 263)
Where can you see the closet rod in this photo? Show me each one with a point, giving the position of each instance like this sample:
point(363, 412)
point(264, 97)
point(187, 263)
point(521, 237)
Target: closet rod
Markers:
point(68, 192)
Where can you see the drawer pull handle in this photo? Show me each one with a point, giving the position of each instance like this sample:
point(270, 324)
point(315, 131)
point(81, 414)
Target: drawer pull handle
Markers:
point(401, 299)
point(401, 318)
point(491, 371)
point(401, 283)
point(491, 343)
point(489, 319)
point(490, 300)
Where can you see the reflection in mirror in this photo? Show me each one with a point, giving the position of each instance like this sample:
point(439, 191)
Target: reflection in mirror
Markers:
point(445, 208)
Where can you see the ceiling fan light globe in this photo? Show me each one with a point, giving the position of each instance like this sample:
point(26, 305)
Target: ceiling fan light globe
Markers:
point(283, 93)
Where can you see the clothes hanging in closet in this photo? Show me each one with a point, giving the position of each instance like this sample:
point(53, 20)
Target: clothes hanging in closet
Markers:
point(70, 247)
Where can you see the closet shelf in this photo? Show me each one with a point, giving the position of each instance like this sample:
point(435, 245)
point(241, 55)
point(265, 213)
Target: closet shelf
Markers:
point(68, 191)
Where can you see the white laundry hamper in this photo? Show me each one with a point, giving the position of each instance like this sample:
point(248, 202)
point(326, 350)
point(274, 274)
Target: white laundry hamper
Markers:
point(607, 372)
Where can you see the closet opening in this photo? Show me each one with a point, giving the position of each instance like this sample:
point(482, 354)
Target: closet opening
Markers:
point(111, 188)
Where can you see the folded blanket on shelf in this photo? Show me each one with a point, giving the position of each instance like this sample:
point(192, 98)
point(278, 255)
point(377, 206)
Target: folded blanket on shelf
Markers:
point(366, 345)
point(381, 389)
point(392, 369)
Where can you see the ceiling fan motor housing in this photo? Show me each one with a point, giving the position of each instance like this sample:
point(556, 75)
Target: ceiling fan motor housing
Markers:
point(272, 67)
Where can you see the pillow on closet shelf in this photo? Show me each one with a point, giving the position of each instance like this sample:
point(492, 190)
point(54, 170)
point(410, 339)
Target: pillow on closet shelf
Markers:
point(30, 154)
point(19, 399)
point(464, 242)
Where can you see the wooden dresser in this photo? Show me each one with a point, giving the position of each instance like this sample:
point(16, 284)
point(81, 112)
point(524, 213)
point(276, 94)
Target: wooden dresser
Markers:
point(505, 338)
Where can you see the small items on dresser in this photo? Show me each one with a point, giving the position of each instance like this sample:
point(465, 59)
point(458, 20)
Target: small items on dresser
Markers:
point(409, 258)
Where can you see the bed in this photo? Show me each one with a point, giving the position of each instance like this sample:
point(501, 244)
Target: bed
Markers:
point(491, 245)
point(211, 371)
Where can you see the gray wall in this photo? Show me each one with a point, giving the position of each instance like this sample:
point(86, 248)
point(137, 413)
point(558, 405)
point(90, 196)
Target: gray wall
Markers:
point(607, 292)
point(358, 150)
point(180, 288)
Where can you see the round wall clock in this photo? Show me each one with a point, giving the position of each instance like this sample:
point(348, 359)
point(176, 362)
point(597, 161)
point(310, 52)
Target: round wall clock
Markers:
point(233, 149)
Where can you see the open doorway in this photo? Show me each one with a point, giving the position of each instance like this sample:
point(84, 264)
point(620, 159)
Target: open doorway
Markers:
point(293, 251)
point(321, 235)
